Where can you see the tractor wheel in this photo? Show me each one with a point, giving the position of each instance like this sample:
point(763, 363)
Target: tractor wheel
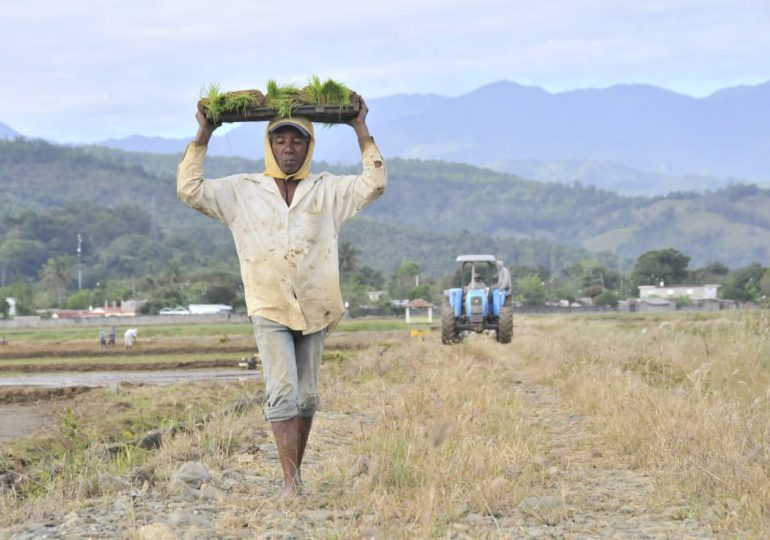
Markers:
point(448, 330)
point(505, 325)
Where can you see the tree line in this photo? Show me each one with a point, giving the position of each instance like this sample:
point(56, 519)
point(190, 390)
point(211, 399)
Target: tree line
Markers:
point(125, 255)
point(137, 241)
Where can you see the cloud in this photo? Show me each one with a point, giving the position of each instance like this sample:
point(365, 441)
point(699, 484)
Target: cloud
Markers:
point(90, 70)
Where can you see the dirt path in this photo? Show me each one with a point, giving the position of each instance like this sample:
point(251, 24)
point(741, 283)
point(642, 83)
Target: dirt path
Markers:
point(591, 495)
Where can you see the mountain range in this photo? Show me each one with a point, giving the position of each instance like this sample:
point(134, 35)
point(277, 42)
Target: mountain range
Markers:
point(650, 140)
point(634, 139)
point(6, 132)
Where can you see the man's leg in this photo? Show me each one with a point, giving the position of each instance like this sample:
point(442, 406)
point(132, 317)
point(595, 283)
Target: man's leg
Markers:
point(279, 366)
point(309, 349)
point(304, 425)
point(286, 434)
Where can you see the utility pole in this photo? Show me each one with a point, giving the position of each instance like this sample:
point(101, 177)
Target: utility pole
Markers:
point(80, 268)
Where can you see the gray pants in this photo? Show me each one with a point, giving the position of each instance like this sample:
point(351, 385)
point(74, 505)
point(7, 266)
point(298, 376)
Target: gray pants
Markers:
point(290, 364)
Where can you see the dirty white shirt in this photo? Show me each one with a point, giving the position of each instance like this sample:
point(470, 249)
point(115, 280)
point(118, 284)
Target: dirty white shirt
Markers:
point(288, 254)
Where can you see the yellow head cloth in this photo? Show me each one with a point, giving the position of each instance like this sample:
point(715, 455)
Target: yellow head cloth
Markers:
point(271, 165)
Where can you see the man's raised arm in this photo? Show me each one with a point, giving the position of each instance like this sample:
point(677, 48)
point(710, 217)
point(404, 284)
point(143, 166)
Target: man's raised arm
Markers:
point(190, 187)
point(357, 192)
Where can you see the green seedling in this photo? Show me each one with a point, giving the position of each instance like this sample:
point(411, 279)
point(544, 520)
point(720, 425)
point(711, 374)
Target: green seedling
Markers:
point(283, 99)
point(215, 101)
point(328, 92)
point(239, 101)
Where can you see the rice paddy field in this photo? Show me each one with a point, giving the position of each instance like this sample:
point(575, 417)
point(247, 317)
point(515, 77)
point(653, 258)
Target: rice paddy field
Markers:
point(585, 426)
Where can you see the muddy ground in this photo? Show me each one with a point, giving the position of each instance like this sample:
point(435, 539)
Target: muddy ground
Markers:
point(21, 420)
point(27, 409)
point(164, 346)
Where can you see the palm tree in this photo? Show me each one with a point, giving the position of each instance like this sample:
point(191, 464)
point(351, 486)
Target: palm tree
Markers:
point(347, 257)
point(56, 275)
point(173, 273)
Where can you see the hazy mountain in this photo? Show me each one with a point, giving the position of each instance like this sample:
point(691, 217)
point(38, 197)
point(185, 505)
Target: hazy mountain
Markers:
point(608, 175)
point(335, 144)
point(140, 143)
point(651, 130)
point(6, 132)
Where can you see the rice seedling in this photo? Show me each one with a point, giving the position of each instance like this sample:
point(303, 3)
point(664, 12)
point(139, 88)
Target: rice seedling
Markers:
point(215, 101)
point(240, 101)
point(281, 100)
point(328, 92)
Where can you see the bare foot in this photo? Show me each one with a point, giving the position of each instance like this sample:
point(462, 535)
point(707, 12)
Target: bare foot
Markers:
point(290, 493)
point(292, 488)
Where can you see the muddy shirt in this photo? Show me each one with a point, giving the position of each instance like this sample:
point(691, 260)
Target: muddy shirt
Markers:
point(288, 255)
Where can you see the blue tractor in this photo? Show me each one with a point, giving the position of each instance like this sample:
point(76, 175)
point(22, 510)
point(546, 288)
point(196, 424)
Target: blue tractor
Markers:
point(476, 306)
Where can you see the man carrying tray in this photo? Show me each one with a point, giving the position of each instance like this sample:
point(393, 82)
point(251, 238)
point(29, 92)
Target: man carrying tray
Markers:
point(285, 223)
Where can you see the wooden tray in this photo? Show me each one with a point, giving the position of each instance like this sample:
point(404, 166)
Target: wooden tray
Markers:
point(327, 114)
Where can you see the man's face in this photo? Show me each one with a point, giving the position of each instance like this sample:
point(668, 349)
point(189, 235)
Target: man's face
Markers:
point(289, 148)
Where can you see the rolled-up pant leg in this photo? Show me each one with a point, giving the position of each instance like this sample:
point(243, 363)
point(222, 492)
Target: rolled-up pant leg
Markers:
point(309, 350)
point(290, 365)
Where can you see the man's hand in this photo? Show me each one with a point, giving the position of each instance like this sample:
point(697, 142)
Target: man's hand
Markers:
point(205, 128)
point(359, 122)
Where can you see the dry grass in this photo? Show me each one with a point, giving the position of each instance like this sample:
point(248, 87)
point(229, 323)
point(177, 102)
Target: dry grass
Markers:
point(444, 436)
point(686, 396)
point(431, 434)
point(71, 465)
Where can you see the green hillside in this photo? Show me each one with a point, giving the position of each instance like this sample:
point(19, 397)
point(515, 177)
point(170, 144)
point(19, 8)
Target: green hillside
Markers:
point(731, 225)
point(384, 246)
point(431, 211)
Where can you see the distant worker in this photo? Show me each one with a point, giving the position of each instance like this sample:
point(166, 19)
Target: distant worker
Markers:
point(111, 339)
point(102, 338)
point(129, 337)
point(503, 278)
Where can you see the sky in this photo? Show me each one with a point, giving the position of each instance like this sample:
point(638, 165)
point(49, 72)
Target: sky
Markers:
point(84, 71)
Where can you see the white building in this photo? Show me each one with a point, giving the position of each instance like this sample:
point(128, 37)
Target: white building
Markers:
point(693, 292)
point(375, 296)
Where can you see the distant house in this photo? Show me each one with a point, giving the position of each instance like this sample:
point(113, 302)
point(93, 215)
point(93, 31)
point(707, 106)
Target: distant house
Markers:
point(125, 309)
point(419, 306)
point(209, 309)
point(693, 292)
point(375, 296)
point(70, 313)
